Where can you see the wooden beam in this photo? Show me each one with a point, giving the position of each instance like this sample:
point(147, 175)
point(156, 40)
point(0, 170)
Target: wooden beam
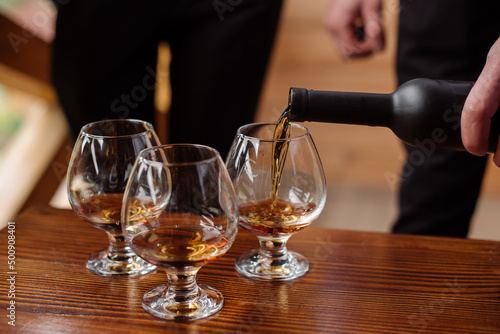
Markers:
point(23, 51)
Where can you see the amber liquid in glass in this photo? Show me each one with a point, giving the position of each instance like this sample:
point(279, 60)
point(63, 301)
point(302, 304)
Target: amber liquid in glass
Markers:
point(276, 216)
point(197, 242)
point(103, 211)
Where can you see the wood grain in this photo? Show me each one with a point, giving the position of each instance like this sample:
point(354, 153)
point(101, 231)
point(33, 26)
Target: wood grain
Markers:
point(358, 283)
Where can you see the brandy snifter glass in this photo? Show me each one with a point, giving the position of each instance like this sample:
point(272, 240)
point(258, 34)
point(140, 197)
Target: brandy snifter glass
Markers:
point(281, 189)
point(100, 165)
point(179, 213)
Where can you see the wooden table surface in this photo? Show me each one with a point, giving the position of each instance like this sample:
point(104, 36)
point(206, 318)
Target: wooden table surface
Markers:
point(358, 282)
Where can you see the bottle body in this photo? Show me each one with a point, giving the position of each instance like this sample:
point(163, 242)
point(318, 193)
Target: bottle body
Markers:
point(421, 112)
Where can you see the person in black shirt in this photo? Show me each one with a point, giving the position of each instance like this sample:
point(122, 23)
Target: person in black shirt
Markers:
point(105, 55)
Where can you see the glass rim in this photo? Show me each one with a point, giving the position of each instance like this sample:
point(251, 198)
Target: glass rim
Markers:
point(300, 126)
point(84, 129)
point(215, 156)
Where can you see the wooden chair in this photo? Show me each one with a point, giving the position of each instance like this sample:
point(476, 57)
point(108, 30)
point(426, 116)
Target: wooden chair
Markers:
point(33, 163)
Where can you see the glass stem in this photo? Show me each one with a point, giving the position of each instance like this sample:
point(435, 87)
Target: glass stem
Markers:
point(274, 249)
point(118, 249)
point(183, 289)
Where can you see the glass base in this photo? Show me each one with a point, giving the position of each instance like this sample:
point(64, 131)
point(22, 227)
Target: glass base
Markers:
point(256, 266)
point(100, 263)
point(159, 303)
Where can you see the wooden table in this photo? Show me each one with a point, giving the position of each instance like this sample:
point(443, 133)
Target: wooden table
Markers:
point(358, 283)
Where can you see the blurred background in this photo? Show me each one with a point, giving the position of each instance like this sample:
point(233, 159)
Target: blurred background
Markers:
point(362, 164)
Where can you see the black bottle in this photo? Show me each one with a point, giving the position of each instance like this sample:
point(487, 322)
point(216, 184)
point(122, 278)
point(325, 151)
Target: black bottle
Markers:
point(421, 112)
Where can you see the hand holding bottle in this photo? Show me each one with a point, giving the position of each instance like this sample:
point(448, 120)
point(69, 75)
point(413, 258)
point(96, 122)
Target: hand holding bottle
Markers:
point(480, 106)
point(355, 26)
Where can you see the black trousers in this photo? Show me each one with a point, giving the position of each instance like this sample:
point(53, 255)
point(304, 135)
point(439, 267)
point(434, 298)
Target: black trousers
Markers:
point(105, 54)
point(444, 39)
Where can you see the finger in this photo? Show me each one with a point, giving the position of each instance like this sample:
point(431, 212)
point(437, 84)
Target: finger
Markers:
point(348, 44)
point(475, 122)
point(374, 31)
point(340, 21)
point(496, 157)
point(341, 30)
point(481, 104)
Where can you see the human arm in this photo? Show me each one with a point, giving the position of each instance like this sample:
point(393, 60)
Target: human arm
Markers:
point(342, 16)
point(480, 106)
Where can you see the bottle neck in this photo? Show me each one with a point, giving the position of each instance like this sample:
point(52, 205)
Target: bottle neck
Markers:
point(340, 107)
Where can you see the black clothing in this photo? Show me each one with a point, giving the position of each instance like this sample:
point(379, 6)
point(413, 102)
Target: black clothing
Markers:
point(105, 54)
